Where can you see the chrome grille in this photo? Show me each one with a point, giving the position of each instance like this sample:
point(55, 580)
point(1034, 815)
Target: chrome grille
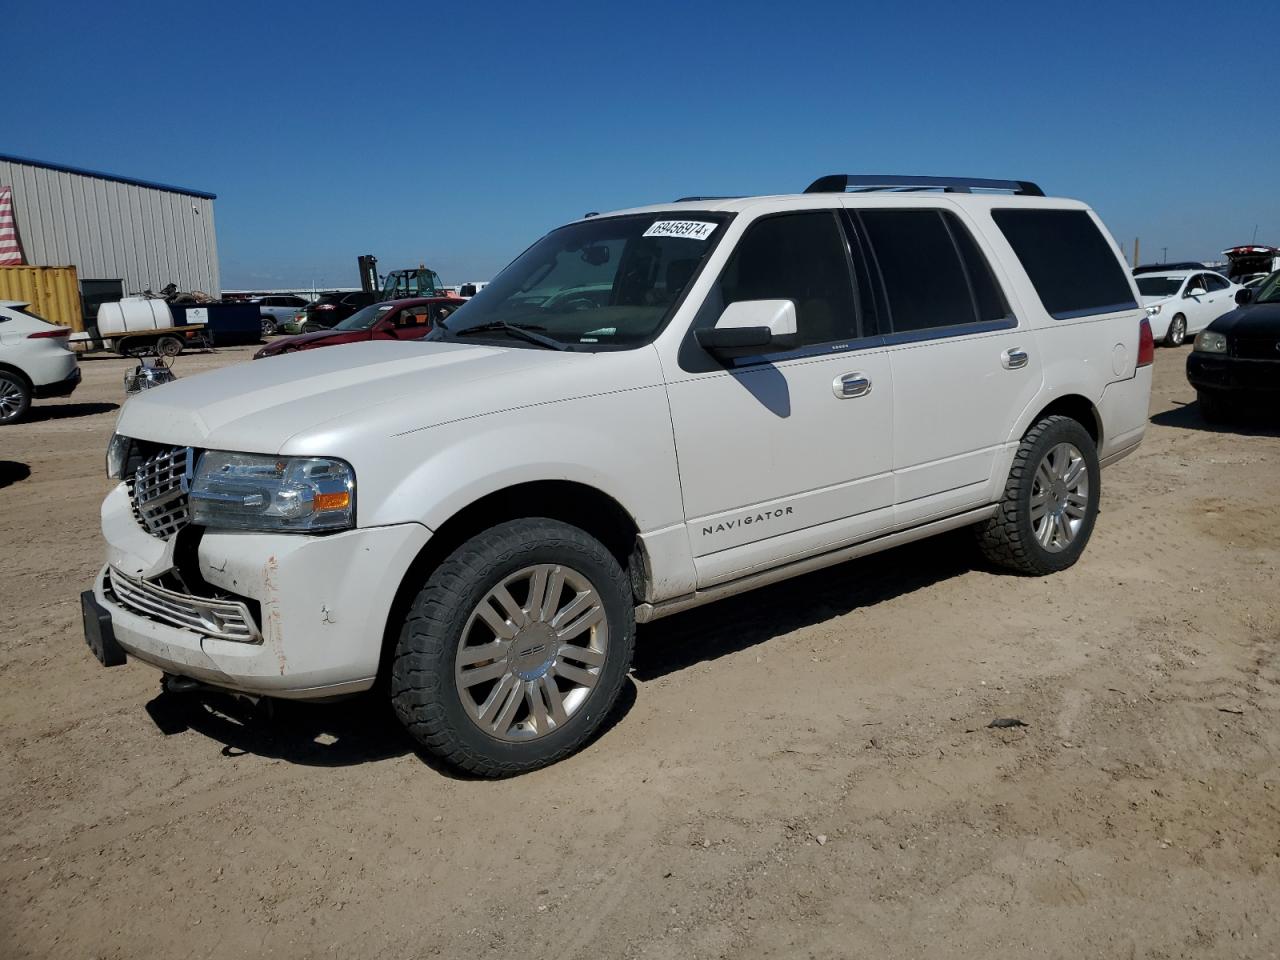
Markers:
point(158, 491)
point(223, 619)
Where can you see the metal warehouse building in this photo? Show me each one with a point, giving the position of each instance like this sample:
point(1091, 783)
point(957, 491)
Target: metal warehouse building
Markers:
point(120, 233)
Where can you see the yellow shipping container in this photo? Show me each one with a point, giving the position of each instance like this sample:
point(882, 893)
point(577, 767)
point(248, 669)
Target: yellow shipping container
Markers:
point(53, 292)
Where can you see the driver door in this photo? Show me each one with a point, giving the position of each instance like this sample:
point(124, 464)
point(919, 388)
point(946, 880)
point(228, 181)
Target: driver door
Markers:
point(1195, 306)
point(788, 454)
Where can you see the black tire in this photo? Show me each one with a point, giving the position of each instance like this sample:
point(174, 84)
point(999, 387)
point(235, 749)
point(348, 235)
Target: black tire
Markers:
point(168, 347)
point(424, 691)
point(268, 327)
point(15, 397)
point(1008, 539)
point(1177, 332)
point(1215, 407)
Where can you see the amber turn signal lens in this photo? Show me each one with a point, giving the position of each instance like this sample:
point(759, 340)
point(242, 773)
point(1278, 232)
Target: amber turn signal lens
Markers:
point(332, 501)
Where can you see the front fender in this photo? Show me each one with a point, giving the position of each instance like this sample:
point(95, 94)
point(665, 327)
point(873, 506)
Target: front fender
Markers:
point(619, 443)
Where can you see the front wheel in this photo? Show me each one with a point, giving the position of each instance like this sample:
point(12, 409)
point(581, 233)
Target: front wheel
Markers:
point(1050, 501)
point(1215, 407)
point(515, 649)
point(1177, 331)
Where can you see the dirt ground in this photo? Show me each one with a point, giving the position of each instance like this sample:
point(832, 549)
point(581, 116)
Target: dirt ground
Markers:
point(805, 771)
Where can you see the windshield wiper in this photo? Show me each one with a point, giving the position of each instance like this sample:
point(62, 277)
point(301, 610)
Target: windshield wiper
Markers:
point(520, 331)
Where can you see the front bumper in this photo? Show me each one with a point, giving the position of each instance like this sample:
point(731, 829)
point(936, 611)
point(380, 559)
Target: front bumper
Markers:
point(317, 606)
point(1216, 371)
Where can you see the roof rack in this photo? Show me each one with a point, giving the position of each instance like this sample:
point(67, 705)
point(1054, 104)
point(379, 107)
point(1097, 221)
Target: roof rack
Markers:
point(692, 199)
point(840, 182)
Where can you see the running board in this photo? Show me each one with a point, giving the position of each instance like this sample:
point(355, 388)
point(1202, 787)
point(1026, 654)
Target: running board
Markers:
point(646, 612)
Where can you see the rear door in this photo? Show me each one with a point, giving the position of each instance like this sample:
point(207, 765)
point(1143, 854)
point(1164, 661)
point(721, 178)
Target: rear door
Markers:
point(964, 366)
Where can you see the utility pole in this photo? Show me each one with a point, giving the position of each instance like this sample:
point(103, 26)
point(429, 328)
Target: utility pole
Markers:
point(1164, 254)
point(1135, 251)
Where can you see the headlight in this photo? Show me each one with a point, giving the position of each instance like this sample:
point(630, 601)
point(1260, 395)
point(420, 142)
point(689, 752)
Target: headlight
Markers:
point(1209, 342)
point(117, 456)
point(248, 491)
point(1153, 310)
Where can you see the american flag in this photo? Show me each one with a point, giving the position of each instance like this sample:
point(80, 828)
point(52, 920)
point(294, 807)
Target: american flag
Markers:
point(10, 252)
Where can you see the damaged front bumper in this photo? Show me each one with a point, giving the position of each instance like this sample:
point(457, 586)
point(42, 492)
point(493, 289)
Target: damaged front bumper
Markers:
point(284, 615)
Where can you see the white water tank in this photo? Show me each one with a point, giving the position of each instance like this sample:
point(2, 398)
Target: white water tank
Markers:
point(133, 315)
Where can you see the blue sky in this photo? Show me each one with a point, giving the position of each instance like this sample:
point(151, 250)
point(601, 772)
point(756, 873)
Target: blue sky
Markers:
point(455, 134)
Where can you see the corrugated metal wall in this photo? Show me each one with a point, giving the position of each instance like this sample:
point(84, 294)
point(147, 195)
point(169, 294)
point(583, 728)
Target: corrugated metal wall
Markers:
point(53, 292)
point(110, 230)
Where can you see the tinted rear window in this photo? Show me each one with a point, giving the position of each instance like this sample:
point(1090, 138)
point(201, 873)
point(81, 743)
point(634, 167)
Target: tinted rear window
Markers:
point(934, 274)
point(1071, 265)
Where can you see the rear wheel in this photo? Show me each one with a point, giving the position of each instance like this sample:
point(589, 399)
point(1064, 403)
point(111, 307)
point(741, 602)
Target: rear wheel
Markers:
point(515, 648)
point(15, 397)
point(1177, 331)
point(168, 347)
point(1050, 501)
point(268, 327)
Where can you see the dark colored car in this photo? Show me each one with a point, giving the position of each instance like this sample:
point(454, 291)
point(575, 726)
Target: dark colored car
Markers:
point(1237, 357)
point(408, 319)
point(331, 309)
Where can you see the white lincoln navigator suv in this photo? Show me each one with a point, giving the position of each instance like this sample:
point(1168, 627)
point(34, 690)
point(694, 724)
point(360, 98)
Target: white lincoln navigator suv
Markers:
point(646, 411)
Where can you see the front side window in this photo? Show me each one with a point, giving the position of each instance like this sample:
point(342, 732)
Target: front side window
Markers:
point(1197, 285)
point(1269, 290)
point(933, 272)
point(799, 257)
point(597, 284)
point(1216, 282)
point(1074, 270)
point(412, 317)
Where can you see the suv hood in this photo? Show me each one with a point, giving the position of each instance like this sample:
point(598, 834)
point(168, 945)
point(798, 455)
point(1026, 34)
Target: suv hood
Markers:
point(1251, 320)
point(374, 389)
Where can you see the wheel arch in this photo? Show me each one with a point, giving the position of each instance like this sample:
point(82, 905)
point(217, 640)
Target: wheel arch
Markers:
point(1074, 405)
point(22, 374)
point(577, 504)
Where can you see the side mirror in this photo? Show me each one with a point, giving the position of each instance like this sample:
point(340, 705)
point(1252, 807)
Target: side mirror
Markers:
point(751, 327)
point(1244, 295)
point(1193, 292)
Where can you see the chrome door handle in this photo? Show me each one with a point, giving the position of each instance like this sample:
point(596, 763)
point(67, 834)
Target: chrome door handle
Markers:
point(1015, 358)
point(851, 385)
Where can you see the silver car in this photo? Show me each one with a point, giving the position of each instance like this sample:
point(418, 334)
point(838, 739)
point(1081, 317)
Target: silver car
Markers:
point(277, 310)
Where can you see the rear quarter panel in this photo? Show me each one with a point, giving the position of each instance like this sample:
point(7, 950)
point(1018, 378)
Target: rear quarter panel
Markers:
point(1081, 356)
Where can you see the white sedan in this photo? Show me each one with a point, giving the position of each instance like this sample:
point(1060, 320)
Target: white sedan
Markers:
point(35, 361)
point(1181, 303)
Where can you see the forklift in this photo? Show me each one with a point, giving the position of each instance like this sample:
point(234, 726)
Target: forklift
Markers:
point(400, 284)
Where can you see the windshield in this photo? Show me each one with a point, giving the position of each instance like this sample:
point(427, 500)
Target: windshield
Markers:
point(1159, 286)
point(366, 318)
point(598, 283)
point(1269, 289)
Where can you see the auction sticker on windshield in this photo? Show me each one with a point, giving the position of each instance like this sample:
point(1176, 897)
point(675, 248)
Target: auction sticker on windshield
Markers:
point(689, 229)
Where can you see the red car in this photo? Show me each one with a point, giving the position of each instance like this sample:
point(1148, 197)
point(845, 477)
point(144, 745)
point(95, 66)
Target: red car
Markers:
point(409, 319)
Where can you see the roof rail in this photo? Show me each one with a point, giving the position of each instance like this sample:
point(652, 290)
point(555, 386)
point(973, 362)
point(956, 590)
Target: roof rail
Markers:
point(840, 182)
point(691, 199)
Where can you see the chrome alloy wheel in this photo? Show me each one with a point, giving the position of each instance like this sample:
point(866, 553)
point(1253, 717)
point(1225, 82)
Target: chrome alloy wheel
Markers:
point(10, 398)
point(531, 652)
point(1059, 497)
